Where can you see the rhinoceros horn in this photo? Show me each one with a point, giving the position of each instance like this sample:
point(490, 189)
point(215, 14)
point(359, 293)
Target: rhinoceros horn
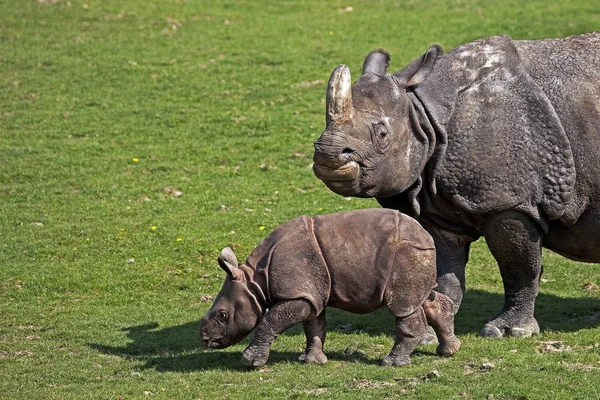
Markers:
point(339, 95)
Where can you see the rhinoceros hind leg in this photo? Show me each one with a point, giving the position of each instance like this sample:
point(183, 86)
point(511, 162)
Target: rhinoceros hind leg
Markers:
point(409, 331)
point(429, 337)
point(315, 338)
point(439, 310)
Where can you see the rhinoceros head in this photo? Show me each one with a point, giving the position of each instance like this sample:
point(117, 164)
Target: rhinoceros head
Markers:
point(235, 312)
point(368, 148)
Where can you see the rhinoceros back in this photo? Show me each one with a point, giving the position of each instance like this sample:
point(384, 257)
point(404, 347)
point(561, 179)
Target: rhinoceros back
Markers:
point(367, 252)
point(507, 146)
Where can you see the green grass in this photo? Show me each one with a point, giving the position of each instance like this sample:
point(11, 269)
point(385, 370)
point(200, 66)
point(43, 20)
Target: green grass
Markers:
point(105, 105)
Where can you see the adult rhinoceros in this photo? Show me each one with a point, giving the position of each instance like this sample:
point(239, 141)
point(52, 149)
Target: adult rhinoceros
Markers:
point(499, 138)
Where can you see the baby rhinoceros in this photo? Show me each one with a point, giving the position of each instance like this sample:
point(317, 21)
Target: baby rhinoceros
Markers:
point(356, 261)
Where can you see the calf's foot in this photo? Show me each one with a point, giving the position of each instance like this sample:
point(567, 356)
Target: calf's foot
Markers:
point(448, 347)
point(255, 357)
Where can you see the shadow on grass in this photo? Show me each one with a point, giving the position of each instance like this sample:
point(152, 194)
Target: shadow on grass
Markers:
point(179, 348)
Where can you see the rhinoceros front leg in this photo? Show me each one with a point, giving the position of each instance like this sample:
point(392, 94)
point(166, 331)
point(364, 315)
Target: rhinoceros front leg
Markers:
point(315, 338)
point(515, 242)
point(280, 317)
point(452, 254)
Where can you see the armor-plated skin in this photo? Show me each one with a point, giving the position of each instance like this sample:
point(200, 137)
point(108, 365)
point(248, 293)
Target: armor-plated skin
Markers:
point(499, 138)
point(357, 261)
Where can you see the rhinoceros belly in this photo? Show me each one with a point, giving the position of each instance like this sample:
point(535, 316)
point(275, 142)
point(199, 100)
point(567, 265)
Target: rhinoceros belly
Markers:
point(580, 242)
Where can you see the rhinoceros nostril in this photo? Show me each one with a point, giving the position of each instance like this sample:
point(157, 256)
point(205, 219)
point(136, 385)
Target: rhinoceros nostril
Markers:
point(347, 154)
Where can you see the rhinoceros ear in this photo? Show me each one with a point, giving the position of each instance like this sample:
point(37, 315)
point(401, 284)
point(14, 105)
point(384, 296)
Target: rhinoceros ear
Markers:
point(376, 62)
point(229, 263)
point(415, 72)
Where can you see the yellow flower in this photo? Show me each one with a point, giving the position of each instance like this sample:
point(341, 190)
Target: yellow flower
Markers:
point(153, 228)
point(261, 228)
point(178, 239)
point(135, 159)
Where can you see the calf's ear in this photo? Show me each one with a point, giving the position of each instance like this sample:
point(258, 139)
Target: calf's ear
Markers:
point(376, 62)
point(229, 263)
point(415, 72)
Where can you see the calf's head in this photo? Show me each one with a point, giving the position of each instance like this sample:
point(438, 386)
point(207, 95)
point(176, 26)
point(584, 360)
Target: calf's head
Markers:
point(236, 310)
point(369, 147)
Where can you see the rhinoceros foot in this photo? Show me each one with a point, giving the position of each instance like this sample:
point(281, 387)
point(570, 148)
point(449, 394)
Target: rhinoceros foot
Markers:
point(313, 357)
point(449, 347)
point(499, 327)
point(254, 357)
point(395, 361)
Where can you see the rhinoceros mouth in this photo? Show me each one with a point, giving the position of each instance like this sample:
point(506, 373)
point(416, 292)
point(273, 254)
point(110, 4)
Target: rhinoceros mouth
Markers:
point(214, 344)
point(345, 173)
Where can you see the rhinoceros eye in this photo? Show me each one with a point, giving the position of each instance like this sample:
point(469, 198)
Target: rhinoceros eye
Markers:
point(381, 131)
point(222, 315)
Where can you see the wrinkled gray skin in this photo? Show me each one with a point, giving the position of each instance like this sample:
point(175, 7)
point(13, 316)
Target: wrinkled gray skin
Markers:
point(498, 138)
point(357, 261)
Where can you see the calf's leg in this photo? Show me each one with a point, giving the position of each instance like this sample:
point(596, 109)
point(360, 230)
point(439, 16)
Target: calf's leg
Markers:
point(452, 254)
point(315, 338)
point(439, 310)
point(409, 331)
point(282, 316)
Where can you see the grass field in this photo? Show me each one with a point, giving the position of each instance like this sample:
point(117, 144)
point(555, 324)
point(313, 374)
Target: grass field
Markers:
point(138, 138)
